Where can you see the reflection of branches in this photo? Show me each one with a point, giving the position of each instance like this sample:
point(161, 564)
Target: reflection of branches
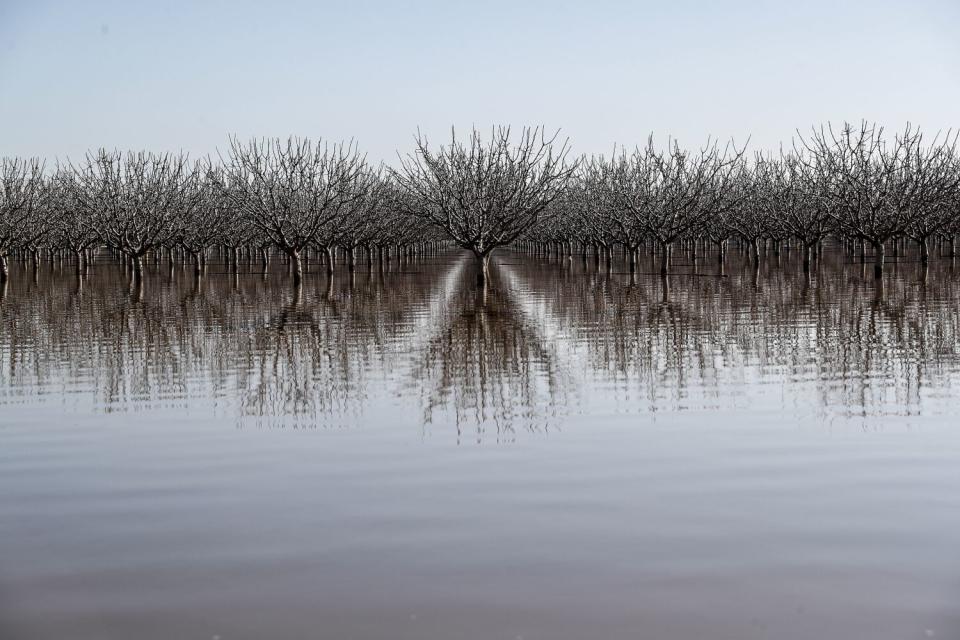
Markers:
point(486, 365)
point(509, 357)
point(255, 346)
point(860, 349)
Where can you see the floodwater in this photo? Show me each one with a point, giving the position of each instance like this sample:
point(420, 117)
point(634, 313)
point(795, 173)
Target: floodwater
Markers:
point(568, 455)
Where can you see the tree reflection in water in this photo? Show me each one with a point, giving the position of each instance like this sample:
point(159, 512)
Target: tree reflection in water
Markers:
point(544, 340)
point(700, 339)
point(486, 365)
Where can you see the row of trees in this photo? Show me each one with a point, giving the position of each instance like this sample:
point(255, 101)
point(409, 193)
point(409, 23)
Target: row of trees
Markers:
point(271, 195)
point(854, 182)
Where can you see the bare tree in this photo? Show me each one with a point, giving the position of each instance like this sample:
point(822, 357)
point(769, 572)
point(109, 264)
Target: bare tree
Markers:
point(485, 195)
point(292, 191)
point(753, 186)
point(136, 201)
point(21, 222)
point(935, 208)
point(72, 229)
point(880, 188)
point(673, 192)
point(358, 215)
point(951, 210)
point(801, 202)
point(365, 220)
point(596, 197)
point(214, 216)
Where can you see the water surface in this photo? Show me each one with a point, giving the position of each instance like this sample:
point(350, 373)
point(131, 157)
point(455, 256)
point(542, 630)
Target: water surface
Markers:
point(573, 453)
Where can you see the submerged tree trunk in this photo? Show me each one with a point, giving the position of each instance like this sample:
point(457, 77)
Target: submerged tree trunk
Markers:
point(807, 257)
point(328, 258)
point(483, 269)
point(878, 259)
point(264, 260)
point(4, 271)
point(136, 288)
point(666, 249)
point(137, 266)
point(296, 267)
point(81, 263)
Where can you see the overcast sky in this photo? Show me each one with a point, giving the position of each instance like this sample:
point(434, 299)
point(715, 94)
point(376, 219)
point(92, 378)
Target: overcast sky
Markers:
point(183, 75)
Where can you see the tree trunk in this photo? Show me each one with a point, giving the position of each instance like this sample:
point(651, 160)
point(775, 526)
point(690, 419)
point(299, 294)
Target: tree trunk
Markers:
point(755, 252)
point(197, 267)
point(264, 259)
point(137, 266)
point(665, 250)
point(924, 251)
point(483, 269)
point(878, 259)
point(807, 257)
point(296, 266)
point(136, 288)
point(328, 257)
point(4, 271)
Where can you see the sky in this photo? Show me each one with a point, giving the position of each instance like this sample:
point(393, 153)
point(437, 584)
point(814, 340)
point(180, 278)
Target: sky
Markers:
point(183, 76)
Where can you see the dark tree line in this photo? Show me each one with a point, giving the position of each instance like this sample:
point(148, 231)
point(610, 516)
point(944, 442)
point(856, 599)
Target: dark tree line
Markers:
point(856, 184)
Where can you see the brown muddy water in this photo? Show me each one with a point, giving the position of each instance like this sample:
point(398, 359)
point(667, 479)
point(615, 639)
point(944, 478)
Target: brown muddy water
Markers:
point(569, 455)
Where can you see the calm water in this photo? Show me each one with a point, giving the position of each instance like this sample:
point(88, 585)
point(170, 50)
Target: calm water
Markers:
point(396, 455)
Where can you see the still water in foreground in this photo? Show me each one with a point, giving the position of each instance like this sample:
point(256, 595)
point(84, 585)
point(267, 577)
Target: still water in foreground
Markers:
point(394, 454)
